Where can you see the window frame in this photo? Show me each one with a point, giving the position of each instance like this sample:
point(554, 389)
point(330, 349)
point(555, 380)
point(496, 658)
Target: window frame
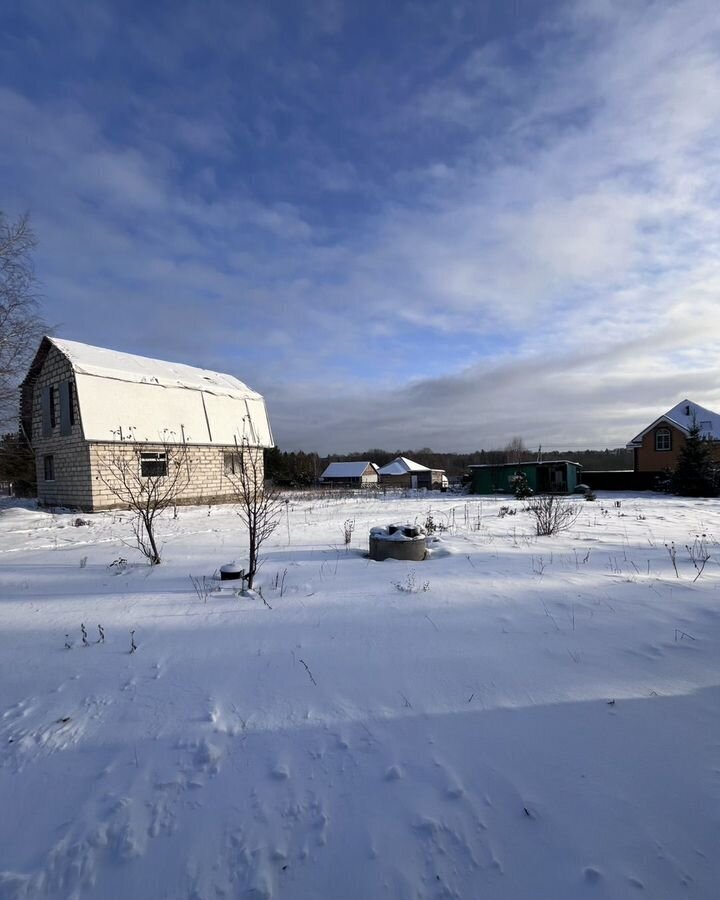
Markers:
point(71, 402)
point(153, 458)
point(67, 410)
point(49, 467)
point(51, 406)
point(233, 463)
point(663, 433)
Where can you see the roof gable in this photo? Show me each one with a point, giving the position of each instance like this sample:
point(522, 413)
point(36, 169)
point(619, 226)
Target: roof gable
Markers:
point(401, 465)
point(682, 416)
point(126, 397)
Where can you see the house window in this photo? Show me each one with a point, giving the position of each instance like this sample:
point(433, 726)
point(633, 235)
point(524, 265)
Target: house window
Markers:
point(663, 439)
point(153, 465)
point(45, 405)
point(67, 410)
point(51, 403)
point(233, 463)
point(49, 467)
point(71, 402)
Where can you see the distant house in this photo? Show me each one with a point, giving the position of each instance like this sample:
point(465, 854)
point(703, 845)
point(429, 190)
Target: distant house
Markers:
point(350, 474)
point(82, 404)
point(557, 476)
point(403, 472)
point(657, 447)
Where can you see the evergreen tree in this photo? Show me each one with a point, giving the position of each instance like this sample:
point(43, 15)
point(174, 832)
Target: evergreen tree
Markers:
point(694, 474)
point(17, 464)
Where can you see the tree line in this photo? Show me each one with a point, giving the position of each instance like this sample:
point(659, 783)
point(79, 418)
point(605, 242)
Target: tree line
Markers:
point(297, 468)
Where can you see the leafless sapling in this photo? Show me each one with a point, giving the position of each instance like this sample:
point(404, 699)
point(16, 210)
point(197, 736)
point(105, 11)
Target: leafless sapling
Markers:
point(147, 479)
point(259, 505)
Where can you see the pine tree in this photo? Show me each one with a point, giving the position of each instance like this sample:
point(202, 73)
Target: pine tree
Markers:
point(694, 474)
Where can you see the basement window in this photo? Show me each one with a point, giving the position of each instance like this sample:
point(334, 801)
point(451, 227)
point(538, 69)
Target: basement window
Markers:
point(49, 468)
point(153, 465)
point(233, 463)
point(663, 439)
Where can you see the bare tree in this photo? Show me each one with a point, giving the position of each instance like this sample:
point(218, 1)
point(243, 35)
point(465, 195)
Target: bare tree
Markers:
point(259, 505)
point(515, 451)
point(552, 514)
point(20, 323)
point(146, 479)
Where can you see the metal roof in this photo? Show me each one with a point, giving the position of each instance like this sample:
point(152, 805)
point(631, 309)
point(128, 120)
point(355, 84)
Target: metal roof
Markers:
point(126, 397)
point(347, 469)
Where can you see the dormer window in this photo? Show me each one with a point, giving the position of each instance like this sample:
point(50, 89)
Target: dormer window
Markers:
point(663, 439)
point(687, 411)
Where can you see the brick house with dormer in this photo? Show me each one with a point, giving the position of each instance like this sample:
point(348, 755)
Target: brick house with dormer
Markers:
point(657, 448)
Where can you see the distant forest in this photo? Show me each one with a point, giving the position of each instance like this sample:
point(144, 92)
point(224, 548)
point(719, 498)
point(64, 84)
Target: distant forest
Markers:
point(290, 468)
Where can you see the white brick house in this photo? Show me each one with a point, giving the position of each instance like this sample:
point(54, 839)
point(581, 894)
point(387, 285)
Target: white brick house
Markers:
point(81, 405)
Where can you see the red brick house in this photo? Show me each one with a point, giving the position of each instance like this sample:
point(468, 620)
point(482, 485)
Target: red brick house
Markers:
point(657, 448)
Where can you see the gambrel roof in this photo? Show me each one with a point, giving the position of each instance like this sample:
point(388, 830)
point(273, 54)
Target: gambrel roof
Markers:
point(126, 397)
point(682, 416)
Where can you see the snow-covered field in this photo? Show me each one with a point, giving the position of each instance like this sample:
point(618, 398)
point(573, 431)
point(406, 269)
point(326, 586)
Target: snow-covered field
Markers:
point(527, 718)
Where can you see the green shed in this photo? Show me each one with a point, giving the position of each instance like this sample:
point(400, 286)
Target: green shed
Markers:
point(558, 476)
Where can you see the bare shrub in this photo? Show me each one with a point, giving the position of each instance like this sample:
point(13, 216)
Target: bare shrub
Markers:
point(552, 514)
point(146, 487)
point(259, 505)
point(699, 554)
point(203, 587)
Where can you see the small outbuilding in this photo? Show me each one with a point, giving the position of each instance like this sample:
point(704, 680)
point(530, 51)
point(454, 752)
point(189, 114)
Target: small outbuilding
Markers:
point(350, 474)
point(557, 476)
point(404, 472)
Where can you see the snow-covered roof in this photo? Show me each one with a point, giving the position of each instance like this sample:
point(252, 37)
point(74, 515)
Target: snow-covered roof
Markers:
point(88, 360)
point(346, 469)
point(401, 465)
point(126, 397)
point(682, 417)
point(529, 462)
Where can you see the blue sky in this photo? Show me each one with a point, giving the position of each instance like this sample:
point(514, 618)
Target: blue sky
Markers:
point(410, 224)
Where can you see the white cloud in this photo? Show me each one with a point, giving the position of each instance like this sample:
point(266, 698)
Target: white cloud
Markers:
point(550, 238)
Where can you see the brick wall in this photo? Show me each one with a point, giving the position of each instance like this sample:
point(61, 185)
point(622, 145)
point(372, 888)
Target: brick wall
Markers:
point(83, 476)
point(648, 459)
point(205, 483)
point(71, 458)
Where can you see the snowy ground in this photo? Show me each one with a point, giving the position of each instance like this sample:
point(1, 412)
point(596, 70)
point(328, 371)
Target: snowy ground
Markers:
point(540, 722)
